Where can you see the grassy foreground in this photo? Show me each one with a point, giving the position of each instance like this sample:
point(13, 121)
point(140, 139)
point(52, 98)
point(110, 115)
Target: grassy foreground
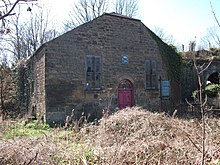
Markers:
point(131, 136)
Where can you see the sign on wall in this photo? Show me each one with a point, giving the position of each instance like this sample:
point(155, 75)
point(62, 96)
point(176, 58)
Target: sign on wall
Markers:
point(165, 88)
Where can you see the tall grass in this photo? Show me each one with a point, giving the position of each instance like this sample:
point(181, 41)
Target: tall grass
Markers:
point(131, 136)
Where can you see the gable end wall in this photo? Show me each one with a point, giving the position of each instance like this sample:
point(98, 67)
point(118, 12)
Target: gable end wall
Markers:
point(110, 38)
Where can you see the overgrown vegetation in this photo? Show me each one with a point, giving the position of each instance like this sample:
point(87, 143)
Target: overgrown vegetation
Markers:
point(131, 136)
point(172, 58)
point(215, 51)
point(211, 90)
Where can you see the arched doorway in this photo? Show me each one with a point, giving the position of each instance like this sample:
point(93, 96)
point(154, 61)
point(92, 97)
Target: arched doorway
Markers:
point(125, 94)
point(214, 78)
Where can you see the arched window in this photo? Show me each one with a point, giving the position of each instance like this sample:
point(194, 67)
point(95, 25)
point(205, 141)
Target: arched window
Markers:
point(125, 84)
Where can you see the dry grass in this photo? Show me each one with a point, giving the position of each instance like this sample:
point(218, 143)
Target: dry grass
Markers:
point(130, 136)
point(133, 136)
point(55, 147)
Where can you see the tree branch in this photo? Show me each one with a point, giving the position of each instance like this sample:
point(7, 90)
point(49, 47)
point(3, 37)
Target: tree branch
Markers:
point(206, 66)
point(214, 14)
point(9, 12)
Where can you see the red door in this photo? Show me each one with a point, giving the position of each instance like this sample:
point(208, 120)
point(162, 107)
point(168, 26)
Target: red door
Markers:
point(125, 99)
point(125, 95)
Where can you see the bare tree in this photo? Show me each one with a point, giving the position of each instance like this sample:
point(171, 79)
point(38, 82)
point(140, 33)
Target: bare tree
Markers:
point(86, 10)
point(165, 37)
point(127, 7)
point(203, 107)
point(6, 10)
point(212, 38)
point(27, 36)
point(8, 7)
point(14, 39)
point(38, 30)
point(7, 90)
point(216, 19)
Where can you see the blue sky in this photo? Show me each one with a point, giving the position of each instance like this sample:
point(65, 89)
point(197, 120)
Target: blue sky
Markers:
point(183, 19)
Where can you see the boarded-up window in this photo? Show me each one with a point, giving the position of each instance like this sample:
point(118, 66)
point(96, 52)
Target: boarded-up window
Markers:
point(151, 74)
point(93, 72)
point(32, 86)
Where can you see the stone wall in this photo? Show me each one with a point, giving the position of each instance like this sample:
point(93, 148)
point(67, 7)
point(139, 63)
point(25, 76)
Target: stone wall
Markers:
point(37, 105)
point(189, 81)
point(109, 37)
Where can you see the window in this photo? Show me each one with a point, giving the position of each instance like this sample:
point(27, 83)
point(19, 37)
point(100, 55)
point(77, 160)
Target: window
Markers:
point(93, 72)
point(125, 84)
point(32, 86)
point(151, 76)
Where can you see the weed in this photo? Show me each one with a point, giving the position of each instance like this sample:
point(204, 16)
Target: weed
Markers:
point(59, 160)
point(32, 129)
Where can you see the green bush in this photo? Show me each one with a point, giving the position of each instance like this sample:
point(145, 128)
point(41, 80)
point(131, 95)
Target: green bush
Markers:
point(211, 90)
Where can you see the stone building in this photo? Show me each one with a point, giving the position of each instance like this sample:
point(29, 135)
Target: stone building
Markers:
point(108, 63)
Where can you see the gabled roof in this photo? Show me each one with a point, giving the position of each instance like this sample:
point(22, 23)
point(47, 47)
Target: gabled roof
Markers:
point(113, 14)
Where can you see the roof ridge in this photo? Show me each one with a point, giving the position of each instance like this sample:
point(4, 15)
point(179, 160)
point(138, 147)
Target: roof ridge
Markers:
point(120, 15)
